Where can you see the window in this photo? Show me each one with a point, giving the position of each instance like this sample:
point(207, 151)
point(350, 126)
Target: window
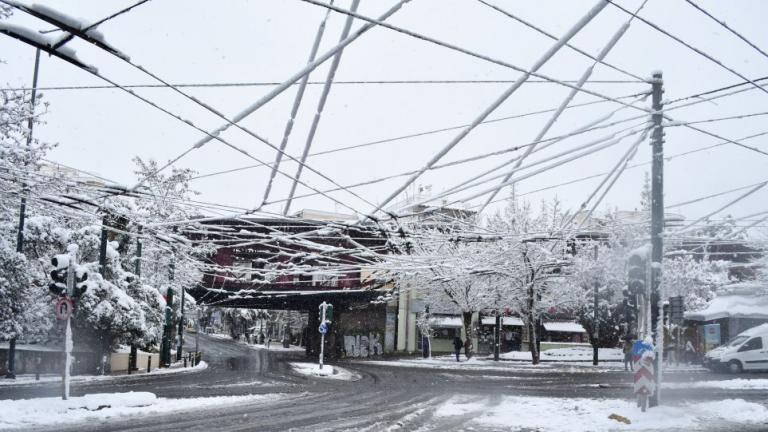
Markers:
point(446, 333)
point(752, 344)
point(737, 341)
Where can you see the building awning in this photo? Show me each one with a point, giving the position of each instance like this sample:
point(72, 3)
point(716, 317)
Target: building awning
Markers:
point(732, 306)
point(564, 327)
point(446, 322)
point(505, 321)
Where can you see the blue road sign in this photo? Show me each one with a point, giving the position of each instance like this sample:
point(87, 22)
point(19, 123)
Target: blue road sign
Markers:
point(323, 328)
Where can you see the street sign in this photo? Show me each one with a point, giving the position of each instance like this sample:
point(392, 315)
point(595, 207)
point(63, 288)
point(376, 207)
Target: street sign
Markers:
point(64, 308)
point(323, 328)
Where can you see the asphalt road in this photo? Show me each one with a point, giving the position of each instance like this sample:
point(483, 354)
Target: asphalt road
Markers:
point(384, 398)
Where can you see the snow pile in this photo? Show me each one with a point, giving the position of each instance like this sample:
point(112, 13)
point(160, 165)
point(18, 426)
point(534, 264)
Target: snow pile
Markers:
point(732, 384)
point(558, 414)
point(101, 406)
point(328, 371)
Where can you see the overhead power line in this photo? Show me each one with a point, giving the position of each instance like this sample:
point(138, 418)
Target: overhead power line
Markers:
point(727, 27)
point(341, 82)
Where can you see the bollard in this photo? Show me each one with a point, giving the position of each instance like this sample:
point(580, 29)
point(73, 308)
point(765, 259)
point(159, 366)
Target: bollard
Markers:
point(149, 364)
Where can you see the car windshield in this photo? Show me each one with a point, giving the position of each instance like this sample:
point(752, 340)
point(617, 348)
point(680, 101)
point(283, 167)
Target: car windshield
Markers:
point(738, 340)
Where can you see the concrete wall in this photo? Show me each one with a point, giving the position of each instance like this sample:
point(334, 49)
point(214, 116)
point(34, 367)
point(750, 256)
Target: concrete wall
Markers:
point(31, 359)
point(360, 331)
point(118, 362)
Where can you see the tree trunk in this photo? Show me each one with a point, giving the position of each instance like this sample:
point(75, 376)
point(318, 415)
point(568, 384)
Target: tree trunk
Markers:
point(532, 338)
point(467, 318)
point(531, 322)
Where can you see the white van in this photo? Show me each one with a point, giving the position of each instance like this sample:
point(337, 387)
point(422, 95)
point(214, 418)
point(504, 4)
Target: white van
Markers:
point(747, 351)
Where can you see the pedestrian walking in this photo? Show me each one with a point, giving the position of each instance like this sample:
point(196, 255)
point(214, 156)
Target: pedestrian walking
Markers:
point(457, 344)
point(690, 352)
point(468, 348)
point(627, 350)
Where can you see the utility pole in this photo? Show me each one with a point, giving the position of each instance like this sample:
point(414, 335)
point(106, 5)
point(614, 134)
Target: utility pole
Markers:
point(103, 248)
point(596, 324)
point(657, 223)
point(166, 357)
point(134, 355)
point(181, 327)
point(11, 373)
point(497, 337)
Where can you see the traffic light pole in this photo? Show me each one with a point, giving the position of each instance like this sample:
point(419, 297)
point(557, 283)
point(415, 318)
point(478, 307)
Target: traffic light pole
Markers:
point(68, 332)
point(657, 224)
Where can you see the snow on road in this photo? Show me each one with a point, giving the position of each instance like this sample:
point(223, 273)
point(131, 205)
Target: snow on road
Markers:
point(567, 354)
point(575, 415)
point(732, 384)
point(30, 379)
point(100, 406)
point(449, 362)
point(328, 371)
point(274, 346)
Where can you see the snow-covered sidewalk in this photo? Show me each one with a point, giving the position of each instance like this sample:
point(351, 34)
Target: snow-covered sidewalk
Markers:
point(328, 371)
point(100, 406)
point(581, 414)
point(30, 379)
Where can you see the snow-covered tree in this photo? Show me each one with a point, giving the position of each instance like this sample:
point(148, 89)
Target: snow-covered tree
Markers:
point(16, 295)
point(697, 281)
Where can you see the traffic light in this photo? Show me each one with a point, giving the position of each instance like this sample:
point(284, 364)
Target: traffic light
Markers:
point(326, 312)
point(81, 278)
point(59, 274)
point(636, 274)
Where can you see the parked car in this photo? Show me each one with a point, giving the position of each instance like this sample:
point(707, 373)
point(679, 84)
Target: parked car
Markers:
point(747, 351)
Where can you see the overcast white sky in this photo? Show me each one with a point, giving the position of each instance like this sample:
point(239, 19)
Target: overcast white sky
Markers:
point(267, 41)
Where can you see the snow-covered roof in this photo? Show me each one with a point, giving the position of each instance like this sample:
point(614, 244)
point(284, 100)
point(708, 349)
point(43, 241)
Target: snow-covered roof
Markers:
point(450, 322)
point(564, 327)
point(732, 306)
point(505, 321)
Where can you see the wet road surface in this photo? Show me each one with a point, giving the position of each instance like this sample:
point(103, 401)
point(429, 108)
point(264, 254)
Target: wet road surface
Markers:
point(384, 398)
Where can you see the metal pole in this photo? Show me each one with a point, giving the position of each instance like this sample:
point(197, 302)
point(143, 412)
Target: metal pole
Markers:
point(22, 210)
point(322, 335)
point(181, 327)
point(68, 331)
point(197, 332)
point(497, 337)
point(134, 356)
point(596, 323)
point(103, 248)
point(657, 221)
point(165, 357)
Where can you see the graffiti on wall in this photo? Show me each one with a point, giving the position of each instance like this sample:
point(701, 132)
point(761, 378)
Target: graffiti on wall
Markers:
point(363, 345)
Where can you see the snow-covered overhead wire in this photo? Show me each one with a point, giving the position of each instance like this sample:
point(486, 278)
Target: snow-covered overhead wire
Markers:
point(689, 46)
point(545, 57)
point(320, 107)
